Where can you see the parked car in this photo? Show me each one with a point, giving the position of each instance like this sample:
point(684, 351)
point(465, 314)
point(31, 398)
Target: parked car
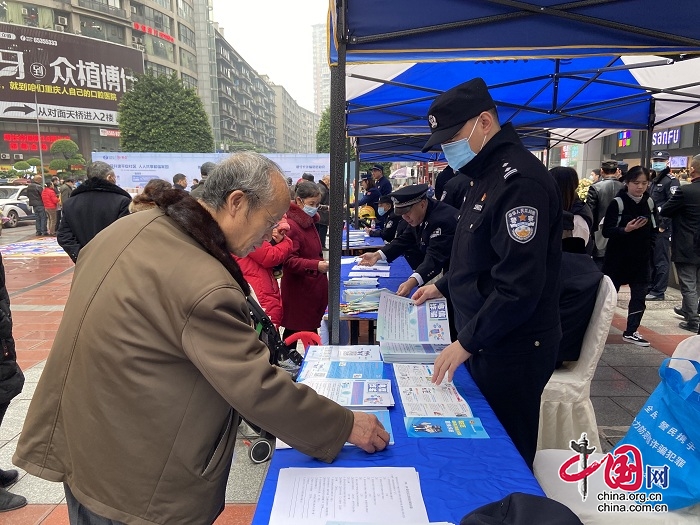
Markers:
point(14, 206)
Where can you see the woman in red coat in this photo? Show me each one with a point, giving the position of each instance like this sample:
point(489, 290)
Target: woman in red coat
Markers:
point(257, 268)
point(50, 200)
point(304, 282)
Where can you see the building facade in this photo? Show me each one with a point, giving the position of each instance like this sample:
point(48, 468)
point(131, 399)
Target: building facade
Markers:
point(246, 101)
point(322, 72)
point(296, 126)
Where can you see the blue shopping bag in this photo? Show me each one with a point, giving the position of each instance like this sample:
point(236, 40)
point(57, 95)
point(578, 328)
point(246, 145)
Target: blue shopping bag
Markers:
point(667, 431)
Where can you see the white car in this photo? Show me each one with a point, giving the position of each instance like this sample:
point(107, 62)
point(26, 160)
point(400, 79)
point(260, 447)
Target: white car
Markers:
point(14, 205)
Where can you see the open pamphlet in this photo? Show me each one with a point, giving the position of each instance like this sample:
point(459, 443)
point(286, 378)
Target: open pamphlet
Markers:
point(445, 427)
point(422, 398)
point(412, 334)
point(354, 393)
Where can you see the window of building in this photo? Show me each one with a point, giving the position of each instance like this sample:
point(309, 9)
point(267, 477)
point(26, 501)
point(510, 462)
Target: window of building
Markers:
point(151, 17)
point(164, 3)
point(186, 35)
point(103, 30)
point(188, 60)
point(157, 69)
point(189, 82)
point(185, 10)
point(26, 15)
point(159, 47)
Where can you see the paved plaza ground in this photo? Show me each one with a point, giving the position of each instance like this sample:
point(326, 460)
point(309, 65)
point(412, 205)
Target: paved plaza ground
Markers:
point(38, 279)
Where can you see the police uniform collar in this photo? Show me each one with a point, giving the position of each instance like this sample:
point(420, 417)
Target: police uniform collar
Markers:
point(506, 135)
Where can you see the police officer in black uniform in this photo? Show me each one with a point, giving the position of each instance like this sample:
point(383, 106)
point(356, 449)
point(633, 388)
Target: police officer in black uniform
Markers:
point(431, 228)
point(387, 221)
point(504, 280)
point(455, 190)
point(380, 181)
point(662, 188)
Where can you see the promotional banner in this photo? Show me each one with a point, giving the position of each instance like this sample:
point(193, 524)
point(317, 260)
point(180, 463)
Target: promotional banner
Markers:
point(63, 77)
point(134, 170)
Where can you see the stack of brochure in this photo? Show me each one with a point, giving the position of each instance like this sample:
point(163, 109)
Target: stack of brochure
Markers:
point(355, 394)
point(357, 238)
point(411, 334)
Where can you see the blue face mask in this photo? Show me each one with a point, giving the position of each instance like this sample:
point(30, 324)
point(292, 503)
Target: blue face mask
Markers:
point(658, 166)
point(310, 210)
point(381, 211)
point(460, 153)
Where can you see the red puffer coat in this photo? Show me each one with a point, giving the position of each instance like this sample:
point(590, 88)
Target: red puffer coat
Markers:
point(304, 288)
point(49, 198)
point(257, 270)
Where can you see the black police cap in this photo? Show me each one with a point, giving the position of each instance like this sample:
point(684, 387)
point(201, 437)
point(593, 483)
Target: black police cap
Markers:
point(661, 155)
point(609, 165)
point(377, 167)
point(407, 196)
point(451, 110)
point(386, 199)
point(365, 176)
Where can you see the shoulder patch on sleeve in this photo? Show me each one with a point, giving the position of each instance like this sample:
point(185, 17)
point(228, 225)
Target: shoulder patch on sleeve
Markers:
point(522, 223)
point(674, 189)
point(436, 233)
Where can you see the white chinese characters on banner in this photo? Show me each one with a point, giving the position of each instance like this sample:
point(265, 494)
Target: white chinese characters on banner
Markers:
point(90, 75)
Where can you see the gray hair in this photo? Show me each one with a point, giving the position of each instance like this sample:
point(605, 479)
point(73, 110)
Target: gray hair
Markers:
point(695, 163)
point(246, 171)
point(99, 169)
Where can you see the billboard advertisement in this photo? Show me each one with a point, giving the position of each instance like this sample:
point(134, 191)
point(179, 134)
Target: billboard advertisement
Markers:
point(63, 77)
point(134, 170)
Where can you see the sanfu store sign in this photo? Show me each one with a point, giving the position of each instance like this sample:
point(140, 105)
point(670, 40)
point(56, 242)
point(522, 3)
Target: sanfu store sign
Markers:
point(72, 79)
point(666, 137)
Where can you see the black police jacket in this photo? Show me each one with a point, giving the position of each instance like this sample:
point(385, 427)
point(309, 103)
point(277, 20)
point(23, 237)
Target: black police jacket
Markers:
point(386, 226)
point(662, 188)
point(684, 208)
point(504, 275)
point(433, 237)
point(455, 190)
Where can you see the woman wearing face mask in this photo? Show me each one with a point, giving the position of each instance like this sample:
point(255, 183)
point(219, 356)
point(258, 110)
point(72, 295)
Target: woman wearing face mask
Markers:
point(304, 281)
point(631, 224)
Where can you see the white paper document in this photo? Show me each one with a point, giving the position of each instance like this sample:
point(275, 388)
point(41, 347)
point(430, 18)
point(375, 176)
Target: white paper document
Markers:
point(399, 320)
point(343, 353)
point(314, 496)
point(368, 272)
point(376, 268)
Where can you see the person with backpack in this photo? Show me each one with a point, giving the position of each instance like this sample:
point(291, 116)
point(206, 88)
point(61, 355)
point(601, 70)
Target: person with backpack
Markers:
point(631, 225)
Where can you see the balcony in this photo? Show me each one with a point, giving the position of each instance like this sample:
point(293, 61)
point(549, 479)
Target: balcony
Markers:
point(104, 8)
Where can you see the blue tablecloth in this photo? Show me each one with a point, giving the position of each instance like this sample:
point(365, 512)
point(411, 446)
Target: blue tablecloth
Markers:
point(369, 243)
point(399, 271)
point(456, 475)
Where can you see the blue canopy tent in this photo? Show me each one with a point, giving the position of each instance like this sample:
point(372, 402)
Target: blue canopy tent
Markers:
point(411, 31)
point(386, 107)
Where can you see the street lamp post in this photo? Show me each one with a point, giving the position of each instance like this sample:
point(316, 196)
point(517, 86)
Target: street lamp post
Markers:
point(38, 132)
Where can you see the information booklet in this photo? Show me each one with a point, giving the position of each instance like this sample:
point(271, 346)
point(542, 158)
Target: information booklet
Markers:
point(341, 370)
point(343, 353)
point(410, 352)
point(445, 427)
point(399, 320)
point(421, 398)
point(354, 393)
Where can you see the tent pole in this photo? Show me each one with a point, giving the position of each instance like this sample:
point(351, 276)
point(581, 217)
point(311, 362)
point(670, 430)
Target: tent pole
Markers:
point(346, 185)
point(337, 144)
point(646, 161)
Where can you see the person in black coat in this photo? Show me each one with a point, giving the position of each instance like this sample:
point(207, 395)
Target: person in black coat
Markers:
point(380, 181)
point(504, 278)
point(631, 224)
point(442, 178)
point(93, 206)
point(431, 228)
point(662, 189)
point(387, 221)
point(684, 209)
point(11, 383)
point(580, 279)
point(567, 180)
point(455, 190)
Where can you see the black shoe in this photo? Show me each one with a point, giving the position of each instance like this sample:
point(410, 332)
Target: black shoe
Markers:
point(652, 297)
point(679, 311)
point(9, 501)
point(8, 477)
point(691, 327)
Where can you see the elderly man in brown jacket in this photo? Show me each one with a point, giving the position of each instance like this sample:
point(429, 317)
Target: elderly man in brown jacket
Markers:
point(138, 405)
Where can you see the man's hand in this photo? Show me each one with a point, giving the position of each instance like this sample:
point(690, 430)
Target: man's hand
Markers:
point(448, 361)
point(369, 259)
point(323, 266)
point(368, 230)
point(426, 292)
point(368, 433)
point(406, 287)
